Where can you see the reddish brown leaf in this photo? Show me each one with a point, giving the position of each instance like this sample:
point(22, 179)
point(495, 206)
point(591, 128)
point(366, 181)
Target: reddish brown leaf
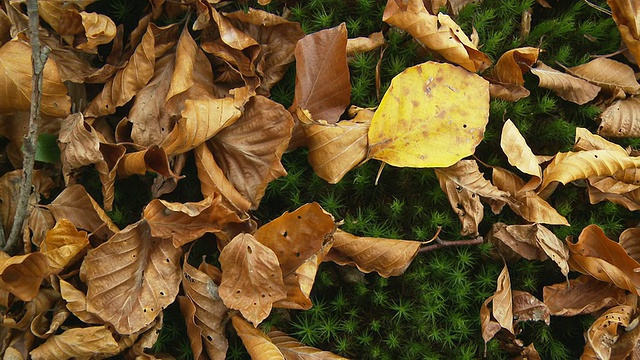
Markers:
point(583, 295)
point(322, 74)
point(251, 278)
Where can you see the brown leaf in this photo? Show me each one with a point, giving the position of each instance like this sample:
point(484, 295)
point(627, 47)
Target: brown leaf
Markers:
point(129, 80)
point(249, 151)
point(585, 141)
point(514, 63)
point(583, 295)
point(152, 159)
point(40, 221)
point(439, 33)
point(625, 15)
point(335, 149)
point(22, 275)
point(365, 44)
point(77, 303)
point(564, 85)
point(292, 349)
point(603, 333)
point(502, 307)
point(257, 343)
point(185, 222)
point(620, 118)
point(322, 75)
point(41, 304)
point(608, 74)
point(508, 92)
point(630, 200)
point(188, 310)
point(300, 282)
point(88, 30)
point(76, 205)
point(464, 184)
point(387, 257)
point(296, 236)
point(15, 70)
point(63, 245)
point(146, 271)
point(251, 278)
point(527, 308)
point(511, 245)
point(210, 313)
point(629, 241)
point(77, 343)
point(608, 184)
point(604, 259)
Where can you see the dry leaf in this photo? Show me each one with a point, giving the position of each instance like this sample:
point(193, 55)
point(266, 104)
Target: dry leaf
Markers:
point(620, 118)
point(63, 244)
point(583, 295)
point(22, 275)
point(387, 257)
point(604, 259)
point(502, 307)
point(365, 44)
point(432, 115)
point(437, 32)
point(585, 141)
point(603, 333)
point(185, 222)
point(508, 92)
point(249, 151)
point(629, 241)
point(15, 57)
point(251, 278)
point(564, 85)
point(514, 63)
point(76, 302)
point(300, 282)
point(511, 245)
point(625, 15)
point(146, 271)
point(41, 304)
point(292, 349)
point(322, 75)
point(210, 313)
point(257, 343)
point(296, 236)
point(520, 155)
point(77, 343)
point(88, 30)
point(608, 74)
point(527, 308)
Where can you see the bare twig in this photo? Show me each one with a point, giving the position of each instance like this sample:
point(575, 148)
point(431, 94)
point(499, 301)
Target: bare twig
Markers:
point(38, 58)
point(439, 243)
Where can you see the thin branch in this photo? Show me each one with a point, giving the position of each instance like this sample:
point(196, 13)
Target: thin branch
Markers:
point(439, 243)
point(38, 59)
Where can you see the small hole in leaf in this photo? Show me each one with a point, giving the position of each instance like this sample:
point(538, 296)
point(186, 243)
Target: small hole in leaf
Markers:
point(464, 126)
point(254, 304)
point(144, 310)
point(263, 295)
point(596, 156)
point(298, 254)
point(134, 256)
point(237, 291)
point(209, 338)
point(249, 250)
point(161, 293)
point(285, 233)
point(167, 260)
point(299, 217)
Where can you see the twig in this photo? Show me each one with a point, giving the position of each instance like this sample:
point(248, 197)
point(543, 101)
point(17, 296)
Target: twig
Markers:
point(38, 59)
point(447, 243)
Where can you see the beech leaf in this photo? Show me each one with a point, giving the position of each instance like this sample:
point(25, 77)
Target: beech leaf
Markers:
point(432, 115)
point(63, 244)
point(512, 65)
point(22, 275)
point(564, 85)
point(620, 119)
point(583, 295)
point(608, 73)
point(257, 343)
point(519, 154)
point(292, 349)
point(77, 343)
point(603, 333)
point(251, 278)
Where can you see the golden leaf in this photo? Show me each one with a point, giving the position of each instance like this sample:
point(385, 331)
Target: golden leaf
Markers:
point(502, 307)
point(620, 118)
point(76, 302)
point(564, 85)
point(251, 278)
point(63, 244)
point(585, 141)
point(387, 257)
point(625, 14)
point(432, 115)
point(146, 271)
point(77, 343)
point(88, 30)
point(437, 32)
point(152, 158)
point(520, 155)
point(292, 349)
point(365, 44)
point(512, 65)
point(15, 75)
point(257, 343)
point(608, 74)
point(22, 275)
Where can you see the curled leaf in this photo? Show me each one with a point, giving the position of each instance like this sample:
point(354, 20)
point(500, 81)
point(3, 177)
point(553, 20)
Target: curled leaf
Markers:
point(620, 119)
point(22, 275)
point(512, 65)
point(292, 349)
point(608, 73)
point(63, 244)
point(77, 343)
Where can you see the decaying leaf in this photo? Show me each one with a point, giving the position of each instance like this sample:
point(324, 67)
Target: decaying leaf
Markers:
point(603, 333)
point(387, 257)
point(514, 63)
point(146, 271)
point(527, 308)
point(501, 314)
point(620, 119)
point(566, 86)
point(322, 74)
point(292, 349)
point(258, 344)
point(251, 278)
point(22, 275)
point(432, 115)
point(77, 343)
point(437, 32)
point(583, 295)
point(88, 30)
point(629, 241)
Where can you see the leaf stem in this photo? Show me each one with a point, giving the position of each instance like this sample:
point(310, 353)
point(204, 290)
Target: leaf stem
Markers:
point(439, 243)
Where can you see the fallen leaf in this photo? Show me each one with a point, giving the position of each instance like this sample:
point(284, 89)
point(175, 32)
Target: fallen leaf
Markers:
point(583, 295)
point(619, 119)
point(629, 242)
point(585, 141)
point(42, 303)
point(566, 86)
point(544, 239)
point(152, 159)
point(387, 257)
point(292, 349)
point(322, 75)
point(436, 126)
point(76, 302)
point(63, 245)
point(508, 92)
point(146, 271)
point(603, 333)
point(437, 32)
point(249, 151)
point(501, 314)
point(22, 275)
point(519, 154)
point(210, 313)
point(257, 343)
point(88, 30)
point(251, 278)
point(299, 283)
point(596, 255)
point(527, 308)
point(45, 324)
point(296, 236)
point(15, 60)
point(77, 343)
point(625, 15)
point(40, 221)
point(188, 310)
point(514, 63)
point(609, 74)
point(365, 44)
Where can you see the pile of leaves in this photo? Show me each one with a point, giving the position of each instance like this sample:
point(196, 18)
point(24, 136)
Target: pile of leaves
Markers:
point(200, 87)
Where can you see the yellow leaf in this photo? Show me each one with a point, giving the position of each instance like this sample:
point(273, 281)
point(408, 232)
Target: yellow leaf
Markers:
point(258, 344)
point(433, 115)
point(512, 65)
point(63, 244)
